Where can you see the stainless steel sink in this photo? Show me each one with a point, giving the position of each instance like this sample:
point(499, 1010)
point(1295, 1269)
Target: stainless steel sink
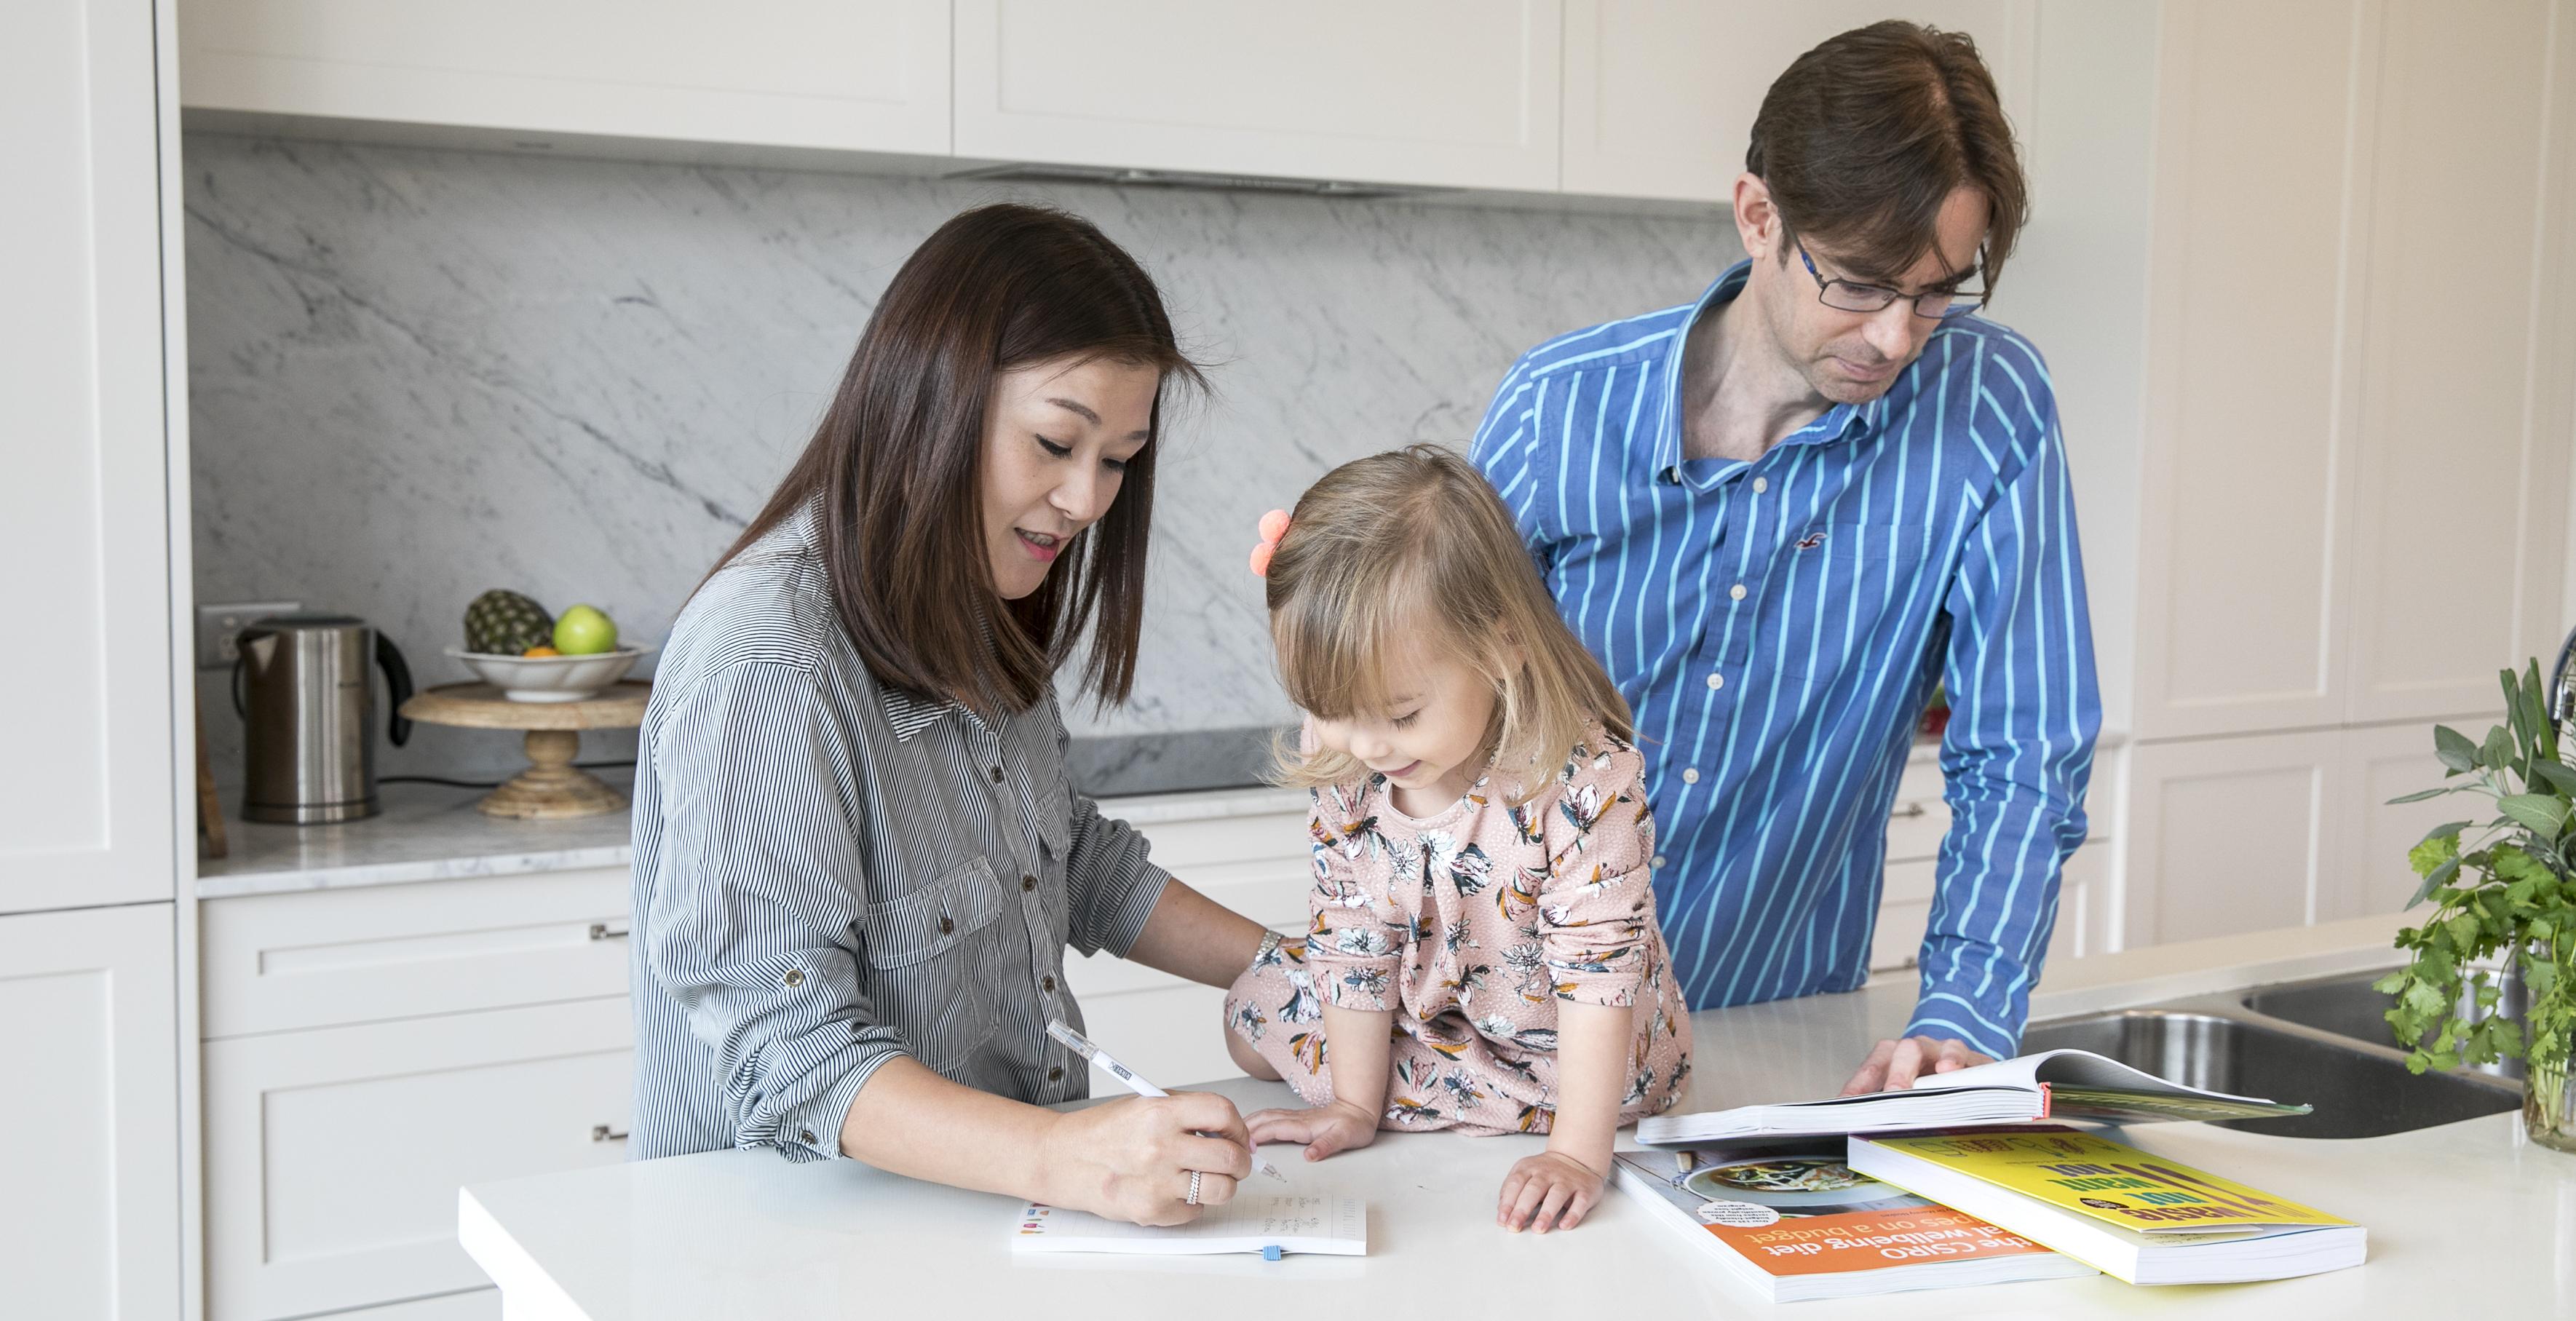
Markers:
point(2322, 1042)
point(2347, 1007)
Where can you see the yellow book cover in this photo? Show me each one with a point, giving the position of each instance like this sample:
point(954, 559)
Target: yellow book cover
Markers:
point(2108, 1181)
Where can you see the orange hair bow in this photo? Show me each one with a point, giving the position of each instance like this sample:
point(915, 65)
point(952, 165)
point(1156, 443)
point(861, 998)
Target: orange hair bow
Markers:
point(1274, 525)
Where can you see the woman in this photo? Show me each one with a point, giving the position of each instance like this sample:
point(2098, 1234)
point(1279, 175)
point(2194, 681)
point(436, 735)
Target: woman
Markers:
point(857, 859)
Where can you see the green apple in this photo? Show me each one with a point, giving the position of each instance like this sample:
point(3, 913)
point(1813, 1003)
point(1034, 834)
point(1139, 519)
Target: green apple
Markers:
point(584, 631)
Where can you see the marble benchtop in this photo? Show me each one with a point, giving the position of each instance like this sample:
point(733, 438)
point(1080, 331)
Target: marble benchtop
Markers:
point(432, 832)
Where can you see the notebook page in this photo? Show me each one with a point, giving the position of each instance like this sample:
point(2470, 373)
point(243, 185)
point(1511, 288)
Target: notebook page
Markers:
point(1293, 1222)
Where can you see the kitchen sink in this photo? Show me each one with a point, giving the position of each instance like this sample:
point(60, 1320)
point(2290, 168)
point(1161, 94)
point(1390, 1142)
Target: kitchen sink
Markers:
point(2347, 1007)
point(2358, 1090)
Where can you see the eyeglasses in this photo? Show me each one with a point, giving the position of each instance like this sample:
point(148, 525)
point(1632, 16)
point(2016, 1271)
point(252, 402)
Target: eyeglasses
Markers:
point(1852, 296)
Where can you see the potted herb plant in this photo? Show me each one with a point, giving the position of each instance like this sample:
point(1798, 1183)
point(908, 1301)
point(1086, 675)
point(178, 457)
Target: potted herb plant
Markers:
point(2504, 888)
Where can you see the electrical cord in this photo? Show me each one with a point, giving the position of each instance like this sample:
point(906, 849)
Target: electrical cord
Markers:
point(493, 784)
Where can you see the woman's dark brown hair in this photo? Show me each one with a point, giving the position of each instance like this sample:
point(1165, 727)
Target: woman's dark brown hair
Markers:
point(1864, 137)
point(895, 469)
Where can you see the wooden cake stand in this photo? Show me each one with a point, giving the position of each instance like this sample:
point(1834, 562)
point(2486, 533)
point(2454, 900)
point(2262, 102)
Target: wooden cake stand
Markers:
point(552, 787)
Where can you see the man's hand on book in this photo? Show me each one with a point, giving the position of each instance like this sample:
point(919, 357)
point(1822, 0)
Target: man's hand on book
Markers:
point(1893, 1065)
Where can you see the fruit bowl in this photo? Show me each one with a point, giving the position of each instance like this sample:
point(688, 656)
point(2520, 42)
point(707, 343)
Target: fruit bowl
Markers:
point(551, 678)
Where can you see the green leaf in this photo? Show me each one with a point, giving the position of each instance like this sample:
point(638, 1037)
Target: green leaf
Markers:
point(2455, 749)
point(2544, 815)
point(2421, 794)
point(2517, 711)
point(2440, 877)
point(2558, 775)
point(2497, 752)
point(2542, 700)
point(2432, 852)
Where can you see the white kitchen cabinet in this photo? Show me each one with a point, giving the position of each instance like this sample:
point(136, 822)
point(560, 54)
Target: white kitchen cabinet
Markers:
point(281, 962)
point(1660, 95)
point(86, 793)
point(89, 1119)
point(2232, 834)
point(2466, 365)
point(2391, 761)
point(845, 75)
point(333, 1156)
point(2355, 460)
point(1443, 93)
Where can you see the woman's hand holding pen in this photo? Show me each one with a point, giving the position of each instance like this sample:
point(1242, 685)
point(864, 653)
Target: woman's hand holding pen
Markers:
point(1133, 1159)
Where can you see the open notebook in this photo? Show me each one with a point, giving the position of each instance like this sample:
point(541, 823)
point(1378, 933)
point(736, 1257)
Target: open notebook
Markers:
point(1272, 1224)
point(2053, 1084)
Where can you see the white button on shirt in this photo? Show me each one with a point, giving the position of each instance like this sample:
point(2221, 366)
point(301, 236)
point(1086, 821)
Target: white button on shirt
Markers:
point(1717, 681)
point(1761, 484)
point(1736, 592)
point(1690, 775)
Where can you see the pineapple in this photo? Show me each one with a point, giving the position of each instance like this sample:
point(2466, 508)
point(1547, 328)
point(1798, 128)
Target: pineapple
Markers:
point(505, 623)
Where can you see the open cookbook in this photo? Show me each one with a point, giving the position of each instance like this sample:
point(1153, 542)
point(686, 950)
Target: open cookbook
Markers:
point(1270, 1224)
point(2051, 1085)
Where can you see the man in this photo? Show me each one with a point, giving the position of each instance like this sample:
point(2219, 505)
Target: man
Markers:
point(1781, 514)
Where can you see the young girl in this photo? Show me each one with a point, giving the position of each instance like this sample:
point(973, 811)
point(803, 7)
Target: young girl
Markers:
point(1483, 954)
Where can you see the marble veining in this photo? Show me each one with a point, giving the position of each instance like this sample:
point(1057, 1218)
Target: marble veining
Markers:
point(417, 374)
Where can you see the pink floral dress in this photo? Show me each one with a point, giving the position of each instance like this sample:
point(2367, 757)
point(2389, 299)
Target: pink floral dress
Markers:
point(1473, 925)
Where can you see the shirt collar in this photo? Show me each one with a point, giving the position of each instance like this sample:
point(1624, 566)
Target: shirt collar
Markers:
point(1840, 422)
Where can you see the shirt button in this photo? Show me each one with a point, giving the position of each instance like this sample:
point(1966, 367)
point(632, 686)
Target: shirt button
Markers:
point(997, 775)
point(1028, 883)
point(1659, 860)
point(1047, 983)
point(1761, 484)
point(947, 924)
point(1055, 1074)
point(807, 1135)
point(1690, 774)
point(1717, 681)
point(795, 977)
point(1737, 591)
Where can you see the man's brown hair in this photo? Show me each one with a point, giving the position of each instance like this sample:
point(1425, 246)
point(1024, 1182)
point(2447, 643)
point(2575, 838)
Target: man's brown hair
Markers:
point(895, 470)
point(1863, 138)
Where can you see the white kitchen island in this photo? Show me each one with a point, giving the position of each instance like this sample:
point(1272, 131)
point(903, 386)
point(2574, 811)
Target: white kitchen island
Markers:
point(2464, 1213)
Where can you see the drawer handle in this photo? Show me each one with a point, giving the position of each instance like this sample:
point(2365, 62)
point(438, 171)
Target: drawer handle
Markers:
point(605, 931)
point(1904, 812)
point(603, 1133)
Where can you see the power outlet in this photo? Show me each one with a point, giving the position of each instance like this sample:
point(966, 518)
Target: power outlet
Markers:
point(219, 629)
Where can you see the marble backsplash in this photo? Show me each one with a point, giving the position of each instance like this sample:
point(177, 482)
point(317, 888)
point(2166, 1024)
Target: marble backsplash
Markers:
point(417, 374)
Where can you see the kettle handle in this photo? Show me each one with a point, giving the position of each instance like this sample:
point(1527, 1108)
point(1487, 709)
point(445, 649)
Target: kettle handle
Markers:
point(397, 687)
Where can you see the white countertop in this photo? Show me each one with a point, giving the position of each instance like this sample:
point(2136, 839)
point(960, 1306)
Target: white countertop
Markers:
point(432, 833)
point(2465, 1213)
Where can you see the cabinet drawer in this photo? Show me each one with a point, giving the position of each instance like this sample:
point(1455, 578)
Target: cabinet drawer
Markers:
point(326, 957)
point(472, 1305)
point(333, 1156)
point(1258, 864)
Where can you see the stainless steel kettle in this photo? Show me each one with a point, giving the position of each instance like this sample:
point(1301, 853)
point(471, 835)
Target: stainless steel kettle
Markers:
point(308, 712)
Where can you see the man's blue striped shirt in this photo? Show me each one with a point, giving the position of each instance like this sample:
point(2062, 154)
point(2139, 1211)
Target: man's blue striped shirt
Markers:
point(1778, 626)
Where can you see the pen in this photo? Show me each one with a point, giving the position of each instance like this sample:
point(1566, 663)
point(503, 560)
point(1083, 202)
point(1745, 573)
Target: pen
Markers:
point(1083, 1046)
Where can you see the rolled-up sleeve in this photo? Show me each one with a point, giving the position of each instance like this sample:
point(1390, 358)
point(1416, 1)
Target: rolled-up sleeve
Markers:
point(1110, 885)
point(752, 929)
point(1597, 905)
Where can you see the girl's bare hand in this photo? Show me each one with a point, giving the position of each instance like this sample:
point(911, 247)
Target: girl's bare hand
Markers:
point(1325, 1129)
point(1547, 1191)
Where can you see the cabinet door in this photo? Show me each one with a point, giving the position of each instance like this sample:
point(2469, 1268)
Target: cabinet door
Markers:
point(85, 788)
point(2468, 364)
point(864, 75)
point(333, 1156)
point(1449, 93)
point(1660, 94)
point(2250, 384)
point(89, 1120)
point(2234, 834)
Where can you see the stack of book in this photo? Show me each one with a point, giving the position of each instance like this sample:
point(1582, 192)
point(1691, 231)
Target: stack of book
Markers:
point(1960, 1182)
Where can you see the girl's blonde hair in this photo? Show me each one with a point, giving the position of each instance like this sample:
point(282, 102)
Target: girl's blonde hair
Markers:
point(1413, 544)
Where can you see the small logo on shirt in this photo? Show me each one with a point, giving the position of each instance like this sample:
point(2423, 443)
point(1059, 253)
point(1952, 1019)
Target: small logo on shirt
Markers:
point(1811, 541)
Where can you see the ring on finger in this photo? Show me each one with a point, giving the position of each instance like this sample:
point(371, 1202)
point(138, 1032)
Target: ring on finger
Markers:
point(1193, 1198)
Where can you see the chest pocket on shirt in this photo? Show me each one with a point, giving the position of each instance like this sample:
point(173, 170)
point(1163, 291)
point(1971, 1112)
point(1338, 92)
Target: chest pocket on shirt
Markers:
point(1837, 590)
point(935, 962)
